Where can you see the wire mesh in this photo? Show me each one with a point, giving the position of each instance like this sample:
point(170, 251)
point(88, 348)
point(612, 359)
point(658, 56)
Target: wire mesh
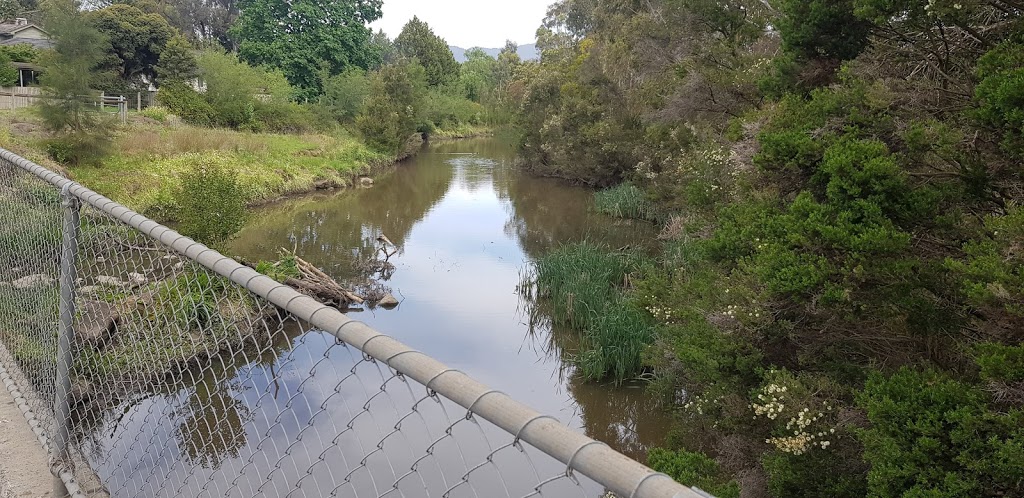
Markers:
point(30, 241)
point(185, 382)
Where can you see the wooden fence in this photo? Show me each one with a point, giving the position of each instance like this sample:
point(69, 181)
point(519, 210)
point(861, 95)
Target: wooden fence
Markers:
point(16, 97)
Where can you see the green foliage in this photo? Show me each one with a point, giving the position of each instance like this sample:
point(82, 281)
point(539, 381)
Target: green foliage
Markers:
point(579, 286)
point(477, 76)
point(443, 110)
point(177, 62)
point(156, 113)
point(345, 94)
point(579, 280)
point(8, 74)
point(136, 42)
point(992, 271)
point(183, 101)
point(21, 52)
point(237, 96)
point(693, 469)
point(211, 205)
point(281, 270)
point(799, 475)
point(626, 201)
point(933, 436)
point(615, 342)
point(417, 41)
point(389, 116)
point(826, 29)
point(1000, 94)
point(305, 37)
point(69, 77)
point(1000, 363)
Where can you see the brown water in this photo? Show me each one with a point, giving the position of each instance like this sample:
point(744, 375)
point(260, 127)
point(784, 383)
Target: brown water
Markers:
point(466, 222)
point(308, 416)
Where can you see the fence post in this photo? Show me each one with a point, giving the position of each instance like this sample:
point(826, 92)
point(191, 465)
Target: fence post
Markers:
point(60, 459)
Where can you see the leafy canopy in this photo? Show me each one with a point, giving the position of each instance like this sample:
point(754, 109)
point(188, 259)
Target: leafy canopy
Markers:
point(304, 38)
point(418, 41)
point(136, 40)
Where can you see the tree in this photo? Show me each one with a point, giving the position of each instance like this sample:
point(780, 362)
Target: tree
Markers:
point(70, 74)
point(390, 114)
point(177, 62)
point(345, 94)
point(136, 40)
point(304, 37)
point(822, 29)
point(8, 74)
point(384, 47)
point(9, 9)
point(418, 41)
point(477, 75)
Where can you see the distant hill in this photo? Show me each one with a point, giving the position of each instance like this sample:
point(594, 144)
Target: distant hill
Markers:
point(526, 52)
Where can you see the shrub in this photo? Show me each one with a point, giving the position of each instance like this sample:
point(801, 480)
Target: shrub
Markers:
point(1000, 94)
point(934, 436)
point(186, 103)
point(8, 74)
point(693, 469)
point(85, 147)
point(389, 116)
point(211, 206)
point(443, 110)
point(156, 113)
point(345, 95)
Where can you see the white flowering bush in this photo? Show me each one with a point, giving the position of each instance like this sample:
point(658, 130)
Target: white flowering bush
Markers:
point(798, 421)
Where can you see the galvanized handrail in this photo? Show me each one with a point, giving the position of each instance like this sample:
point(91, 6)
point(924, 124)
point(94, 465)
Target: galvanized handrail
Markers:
point(617, 472)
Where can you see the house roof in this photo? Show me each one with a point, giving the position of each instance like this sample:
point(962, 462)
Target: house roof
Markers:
point(10, 28)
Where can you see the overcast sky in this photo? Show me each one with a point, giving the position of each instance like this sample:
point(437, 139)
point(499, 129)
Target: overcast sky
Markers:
point(469, 23)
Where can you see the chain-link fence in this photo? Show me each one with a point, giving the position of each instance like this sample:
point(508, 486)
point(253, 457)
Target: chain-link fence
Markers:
point(151, 365)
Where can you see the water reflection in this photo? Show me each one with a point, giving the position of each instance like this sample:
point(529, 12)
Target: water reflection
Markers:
point(307, 412)
point(470, 223)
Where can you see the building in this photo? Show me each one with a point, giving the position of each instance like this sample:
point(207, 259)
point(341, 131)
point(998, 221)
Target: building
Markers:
point(21, 31)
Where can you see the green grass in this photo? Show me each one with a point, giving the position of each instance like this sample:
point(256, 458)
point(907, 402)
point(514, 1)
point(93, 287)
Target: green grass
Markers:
point(148, 159)
point(626, 201)
point(582, 286)
point(148, 162)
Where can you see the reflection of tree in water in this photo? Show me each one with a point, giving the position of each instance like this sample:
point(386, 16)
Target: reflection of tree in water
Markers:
point(214, 425)
point(333, 232)
point(547, 212)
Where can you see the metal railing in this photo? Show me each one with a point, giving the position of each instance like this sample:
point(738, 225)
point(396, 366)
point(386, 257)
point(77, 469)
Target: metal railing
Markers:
point(151, 365)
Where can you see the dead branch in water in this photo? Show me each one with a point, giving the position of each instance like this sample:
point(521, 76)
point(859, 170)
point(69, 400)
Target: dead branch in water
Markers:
point(316, 281)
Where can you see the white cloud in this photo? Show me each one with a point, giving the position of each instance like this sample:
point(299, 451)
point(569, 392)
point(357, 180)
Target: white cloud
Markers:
point(468, 23)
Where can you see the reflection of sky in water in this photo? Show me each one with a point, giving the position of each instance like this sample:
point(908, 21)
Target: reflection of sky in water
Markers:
point(234, 434)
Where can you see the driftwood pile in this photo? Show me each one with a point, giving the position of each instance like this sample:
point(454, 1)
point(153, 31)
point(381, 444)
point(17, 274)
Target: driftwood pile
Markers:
point(317, 284)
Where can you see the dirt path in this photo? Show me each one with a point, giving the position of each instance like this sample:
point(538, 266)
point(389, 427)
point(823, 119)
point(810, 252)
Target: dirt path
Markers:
point(23, 467)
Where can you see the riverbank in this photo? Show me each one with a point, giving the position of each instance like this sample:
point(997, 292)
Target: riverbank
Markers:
point(148, 158)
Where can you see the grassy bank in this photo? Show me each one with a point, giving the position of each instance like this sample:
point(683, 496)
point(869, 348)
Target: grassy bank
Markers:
point(148, 158)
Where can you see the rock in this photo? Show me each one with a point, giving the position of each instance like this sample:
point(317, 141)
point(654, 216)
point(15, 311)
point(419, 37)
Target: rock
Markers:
point(16, 269)
point(108, 281)
point(178, 266)
point(35, 281)
point(388, 301)
point(89, 290)
point(101, 259)
point(137, 279)
point(96, 323)
point(326, 184)
point(366, 181)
